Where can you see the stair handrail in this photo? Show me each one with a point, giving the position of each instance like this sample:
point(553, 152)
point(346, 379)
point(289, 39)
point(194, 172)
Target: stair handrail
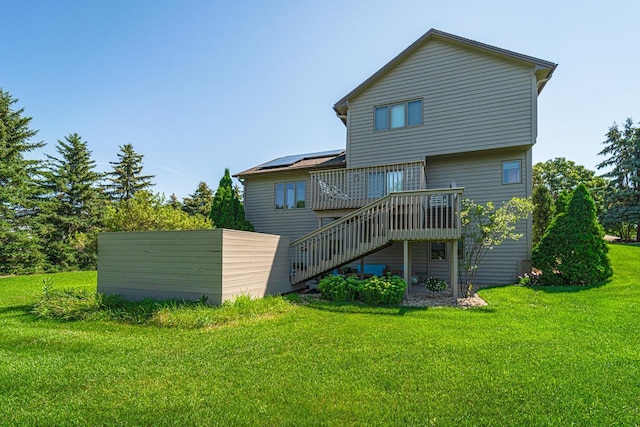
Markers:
point(359, 211)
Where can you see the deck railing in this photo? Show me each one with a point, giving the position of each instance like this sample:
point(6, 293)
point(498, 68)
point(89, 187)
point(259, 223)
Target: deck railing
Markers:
point(356, 187)
point(408, 215)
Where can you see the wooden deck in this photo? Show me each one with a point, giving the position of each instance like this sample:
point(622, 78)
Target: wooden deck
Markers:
point(401, 216)
point(354, 188)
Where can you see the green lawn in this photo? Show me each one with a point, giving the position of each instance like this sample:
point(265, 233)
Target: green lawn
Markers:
point(556, 356)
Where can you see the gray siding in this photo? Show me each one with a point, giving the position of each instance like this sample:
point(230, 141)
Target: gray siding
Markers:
point(259, 199)
point(393, 258)
point(471, 101)
point(161, 265)
point(254, 264)
point(189, 264)
point(481, 176)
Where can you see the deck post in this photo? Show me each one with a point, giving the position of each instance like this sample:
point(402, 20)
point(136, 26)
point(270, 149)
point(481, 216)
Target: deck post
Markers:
point(453, 267)
point(407, 264)
point(362, 268)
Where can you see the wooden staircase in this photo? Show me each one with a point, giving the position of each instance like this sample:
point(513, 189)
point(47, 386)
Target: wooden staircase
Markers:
point(400, 216)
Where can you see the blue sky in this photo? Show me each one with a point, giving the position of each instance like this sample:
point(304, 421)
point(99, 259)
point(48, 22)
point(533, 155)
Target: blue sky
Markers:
point(197, 86)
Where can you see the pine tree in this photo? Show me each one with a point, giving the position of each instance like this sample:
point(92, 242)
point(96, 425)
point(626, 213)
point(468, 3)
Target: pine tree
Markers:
point(542, 212)
point(20, 250)
point(199, 203)
point(623, 199)
point(227, 210)
point(75, 206)
point(573, 250)
point(126, 178)
point(174, 202)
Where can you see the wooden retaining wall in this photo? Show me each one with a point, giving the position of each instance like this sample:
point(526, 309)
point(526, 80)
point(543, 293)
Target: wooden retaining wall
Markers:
point(218, 264)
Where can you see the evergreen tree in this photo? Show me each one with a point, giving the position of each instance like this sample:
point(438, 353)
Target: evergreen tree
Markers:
point(623, 199)
point(75, 206)
point(174, 202)
point(199, 203)
point(573, 250)
point(227, 210)
point(562, 201)
point(542, 212)
point(126, 178)
point(20, 250)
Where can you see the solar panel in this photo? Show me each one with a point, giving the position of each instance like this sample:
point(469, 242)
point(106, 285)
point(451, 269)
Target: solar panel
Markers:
point(295, 158)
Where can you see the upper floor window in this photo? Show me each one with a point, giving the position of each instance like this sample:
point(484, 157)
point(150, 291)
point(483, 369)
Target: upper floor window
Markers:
point(400, 115)
point(511, 172)
point(290, 195)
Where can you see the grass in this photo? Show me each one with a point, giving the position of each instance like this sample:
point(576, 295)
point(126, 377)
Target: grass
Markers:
point(533, 356)
point(73, 304)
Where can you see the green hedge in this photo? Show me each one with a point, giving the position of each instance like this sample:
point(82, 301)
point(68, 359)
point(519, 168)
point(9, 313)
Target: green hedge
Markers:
point(375, 291)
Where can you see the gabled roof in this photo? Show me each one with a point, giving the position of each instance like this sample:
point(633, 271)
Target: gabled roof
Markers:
point(325, 159)
point(544, 69)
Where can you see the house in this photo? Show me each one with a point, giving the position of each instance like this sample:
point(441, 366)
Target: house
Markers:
point(447, 118)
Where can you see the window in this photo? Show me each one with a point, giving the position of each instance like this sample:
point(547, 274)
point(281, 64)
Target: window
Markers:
point(398, 115)
point(382, 118)
point(511, 172)
point(375, 188)
point(279, 196)
point(394, 181)
point(414, 109)
point(301, 189)
point(379, 184)
point(290, 195)
point(438, 251)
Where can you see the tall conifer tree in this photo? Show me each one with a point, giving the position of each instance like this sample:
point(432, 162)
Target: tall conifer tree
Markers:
point(75, 206)
point(126, 178)
point(199, 203)
point(573, 250)
point(227, 210)
point(20, 250)
point(622, 147)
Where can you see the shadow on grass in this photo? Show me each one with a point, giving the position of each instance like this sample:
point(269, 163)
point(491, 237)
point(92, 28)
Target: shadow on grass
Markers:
point(23, 312)
point(568, 288)
point(386, 310)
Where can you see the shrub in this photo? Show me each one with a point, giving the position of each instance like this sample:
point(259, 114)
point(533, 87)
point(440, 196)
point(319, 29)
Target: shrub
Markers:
point(339, 288)
point(572, 250)
point(382, 290)
point(529, 279)
point(435, 284)
point(485, 227)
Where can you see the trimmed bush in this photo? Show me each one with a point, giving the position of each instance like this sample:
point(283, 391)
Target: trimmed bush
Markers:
point(572, 250)
point(339, 288)
point(382, 290)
